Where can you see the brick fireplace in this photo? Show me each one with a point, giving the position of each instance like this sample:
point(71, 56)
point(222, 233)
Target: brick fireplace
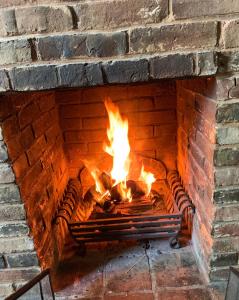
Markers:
point(170, 66)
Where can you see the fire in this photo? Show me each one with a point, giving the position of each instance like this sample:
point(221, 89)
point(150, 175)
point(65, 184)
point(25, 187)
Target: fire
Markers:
point(148, 178)
point(118, 147)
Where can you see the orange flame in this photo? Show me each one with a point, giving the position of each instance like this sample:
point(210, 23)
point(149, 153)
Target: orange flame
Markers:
point(148, 178)
point(118, 147)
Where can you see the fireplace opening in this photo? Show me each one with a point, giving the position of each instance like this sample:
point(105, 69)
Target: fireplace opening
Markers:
point(66, 158)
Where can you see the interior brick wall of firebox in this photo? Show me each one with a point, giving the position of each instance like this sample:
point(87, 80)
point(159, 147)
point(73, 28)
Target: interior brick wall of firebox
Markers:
point(150, 109)
point(196, 142)
point(208, 164)
point(32, 134)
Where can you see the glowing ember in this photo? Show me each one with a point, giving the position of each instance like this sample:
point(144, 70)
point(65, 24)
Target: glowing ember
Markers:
point(118, 147)
point(148, 178)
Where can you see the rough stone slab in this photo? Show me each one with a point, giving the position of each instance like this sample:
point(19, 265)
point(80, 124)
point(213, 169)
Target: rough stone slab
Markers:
point(39, 77)
point(173, 37)
point(34, 19)
point(224, 259)
point(28, 259)
point(6, 173)
point(226, 156)
point(12, 212)
point(126, 71)
point(207, 63)
point(4, 82)
point(78, 75)
point(183, 9)
point(9, 193)
point(16, 244)
point(14, 51)
point(10, 229)
point(172, 66)
point(98, 14)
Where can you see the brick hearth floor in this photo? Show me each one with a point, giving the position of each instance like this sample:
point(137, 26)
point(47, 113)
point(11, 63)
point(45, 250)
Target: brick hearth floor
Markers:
point(132, 272)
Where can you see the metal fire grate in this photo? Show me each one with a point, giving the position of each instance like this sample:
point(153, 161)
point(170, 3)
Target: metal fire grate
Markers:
point(149, 225)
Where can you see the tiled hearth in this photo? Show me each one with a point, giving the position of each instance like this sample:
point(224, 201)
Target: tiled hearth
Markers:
point(171, 66)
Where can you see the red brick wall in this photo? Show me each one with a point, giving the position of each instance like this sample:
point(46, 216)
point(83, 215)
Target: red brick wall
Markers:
point(150, 109)
point(196, 143)
point(32, 134)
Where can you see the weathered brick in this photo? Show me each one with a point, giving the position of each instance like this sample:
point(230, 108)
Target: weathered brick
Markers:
point(9, 193)
point(42, 124)
point(103, 45)
point(227, 135)
point(224, 259)
point(16, 244)
point(234, 92)
point(43, 19)
point(10, 127)
point(218, 87)
point(6, 289)
point(228, 61)
point(227, 213)
point(225, 229)
point(3, 152)
point(46, 101)
point(228, 112)
point(229, 195)
point(6, 173)
point(20, 166)
point(14, 148)
point(83, 110)
point(50, 47)
point(2, 264)
point(197, 8)
point(138, 11)
point(22, 260)
point(8, 22)
point(27, 114)
point(227, 244)
point(173, 37)
point(230, 33)
point(226, 156)
point(11, 275)
point(77, 75)
point(4, 82)
point(172, 66)
point(11, 229)
point(226, 176)
point(126, 71)
point(207, 63)
point(26, 137)
point(30, 179)
point(14, 51)
point(36, 150)
point(33, 78)
point(12, 212)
